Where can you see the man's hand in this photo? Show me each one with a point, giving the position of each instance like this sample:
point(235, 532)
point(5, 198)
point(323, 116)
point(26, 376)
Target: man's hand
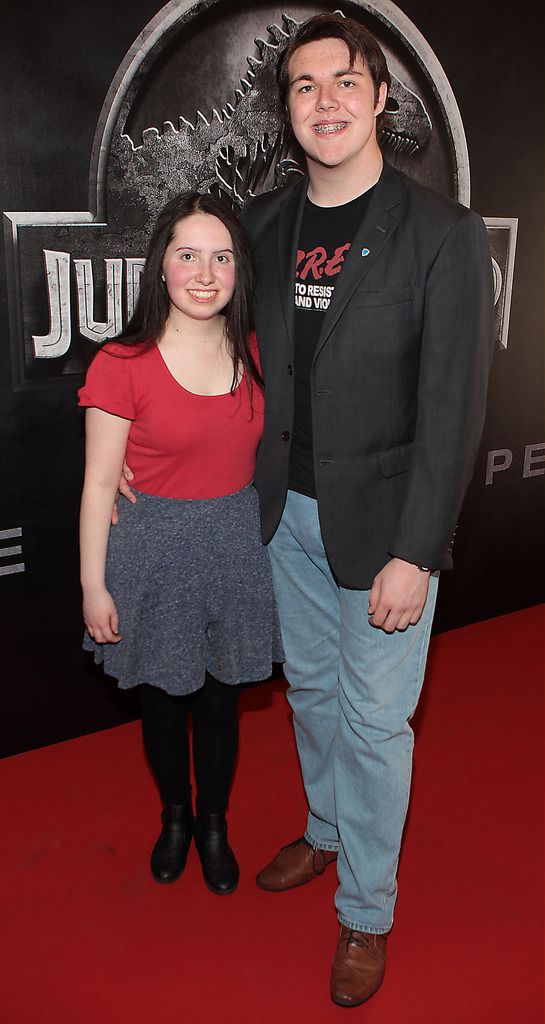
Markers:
point(100, 616)
point(125, 490)
point(398, 596)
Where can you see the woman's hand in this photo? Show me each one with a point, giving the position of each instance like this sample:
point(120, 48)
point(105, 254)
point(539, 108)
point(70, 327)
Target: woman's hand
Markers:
point(100, 616)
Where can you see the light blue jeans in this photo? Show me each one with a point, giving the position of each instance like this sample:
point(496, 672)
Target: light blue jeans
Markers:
point(353, 689)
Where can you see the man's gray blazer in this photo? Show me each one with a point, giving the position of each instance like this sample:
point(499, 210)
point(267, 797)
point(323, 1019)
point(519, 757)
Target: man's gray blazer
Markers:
point(399, 376)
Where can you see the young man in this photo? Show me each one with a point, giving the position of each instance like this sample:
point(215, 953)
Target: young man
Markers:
point(374, 316)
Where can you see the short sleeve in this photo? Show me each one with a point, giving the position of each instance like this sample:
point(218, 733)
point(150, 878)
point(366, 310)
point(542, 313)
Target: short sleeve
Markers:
point(108, 384)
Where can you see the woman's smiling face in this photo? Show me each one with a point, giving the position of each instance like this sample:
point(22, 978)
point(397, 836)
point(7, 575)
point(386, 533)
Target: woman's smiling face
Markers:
point(199, 267)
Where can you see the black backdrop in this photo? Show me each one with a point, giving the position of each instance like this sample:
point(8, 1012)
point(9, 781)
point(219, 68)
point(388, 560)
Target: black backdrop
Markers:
point(57, 61)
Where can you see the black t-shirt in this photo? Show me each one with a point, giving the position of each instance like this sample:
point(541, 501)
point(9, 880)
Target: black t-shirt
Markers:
point(326, 236)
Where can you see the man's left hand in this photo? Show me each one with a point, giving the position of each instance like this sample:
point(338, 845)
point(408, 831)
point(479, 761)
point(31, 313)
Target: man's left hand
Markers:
point(398, 596)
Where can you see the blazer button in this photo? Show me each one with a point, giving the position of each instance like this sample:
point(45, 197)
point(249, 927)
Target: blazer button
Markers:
point(290, 369)
point(285, 435)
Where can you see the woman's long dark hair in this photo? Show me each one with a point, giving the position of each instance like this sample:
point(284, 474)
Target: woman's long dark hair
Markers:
point(153, 304)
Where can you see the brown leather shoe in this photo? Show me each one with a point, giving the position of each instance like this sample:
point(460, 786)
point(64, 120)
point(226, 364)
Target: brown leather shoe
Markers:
point(296, 864)
point(358, 967)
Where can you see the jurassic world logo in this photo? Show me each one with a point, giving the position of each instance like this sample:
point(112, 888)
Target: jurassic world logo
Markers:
point(73, 277)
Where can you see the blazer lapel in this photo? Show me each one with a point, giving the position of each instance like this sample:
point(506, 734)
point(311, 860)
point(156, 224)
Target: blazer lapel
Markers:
point(371, 237)
point(289, 228)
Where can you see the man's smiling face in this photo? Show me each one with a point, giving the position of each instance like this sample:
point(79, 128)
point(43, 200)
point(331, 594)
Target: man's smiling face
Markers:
point(332, 106)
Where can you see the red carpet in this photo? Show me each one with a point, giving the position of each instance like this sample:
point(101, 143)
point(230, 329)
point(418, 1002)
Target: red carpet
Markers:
point(89, 938)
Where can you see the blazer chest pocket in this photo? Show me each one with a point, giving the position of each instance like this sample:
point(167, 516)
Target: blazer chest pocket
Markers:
point(386, 297)
point(396, 460)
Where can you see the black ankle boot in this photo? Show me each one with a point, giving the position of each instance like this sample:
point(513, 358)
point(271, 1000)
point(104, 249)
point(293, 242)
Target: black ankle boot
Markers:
point(170, 851)
point(219, 866)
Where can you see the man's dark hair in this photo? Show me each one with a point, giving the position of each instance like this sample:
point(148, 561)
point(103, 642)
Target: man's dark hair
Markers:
point(333, 26)
point(152, 308)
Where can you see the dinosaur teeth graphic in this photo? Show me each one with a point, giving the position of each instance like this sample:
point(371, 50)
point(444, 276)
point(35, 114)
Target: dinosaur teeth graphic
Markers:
point(397, 141)
point(242, 148)
point(280, 37)
point(405, 125)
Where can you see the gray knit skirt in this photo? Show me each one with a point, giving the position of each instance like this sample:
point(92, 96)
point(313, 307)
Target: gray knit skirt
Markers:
point(192, 585)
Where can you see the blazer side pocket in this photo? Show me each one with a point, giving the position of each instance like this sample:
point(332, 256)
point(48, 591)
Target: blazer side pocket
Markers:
point(396, 460)
point(386, 297)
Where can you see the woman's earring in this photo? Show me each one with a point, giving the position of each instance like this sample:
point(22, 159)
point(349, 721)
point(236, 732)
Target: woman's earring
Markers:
point(163, 278)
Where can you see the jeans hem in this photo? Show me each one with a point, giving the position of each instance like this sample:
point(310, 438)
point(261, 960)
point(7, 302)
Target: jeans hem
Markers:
point(358, 927)
point(331, 847)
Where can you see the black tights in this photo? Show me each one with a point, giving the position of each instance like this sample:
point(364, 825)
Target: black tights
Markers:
point(214, 712)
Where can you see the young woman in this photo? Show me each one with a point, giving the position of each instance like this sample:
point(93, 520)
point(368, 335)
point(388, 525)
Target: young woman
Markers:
point(177, 598)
